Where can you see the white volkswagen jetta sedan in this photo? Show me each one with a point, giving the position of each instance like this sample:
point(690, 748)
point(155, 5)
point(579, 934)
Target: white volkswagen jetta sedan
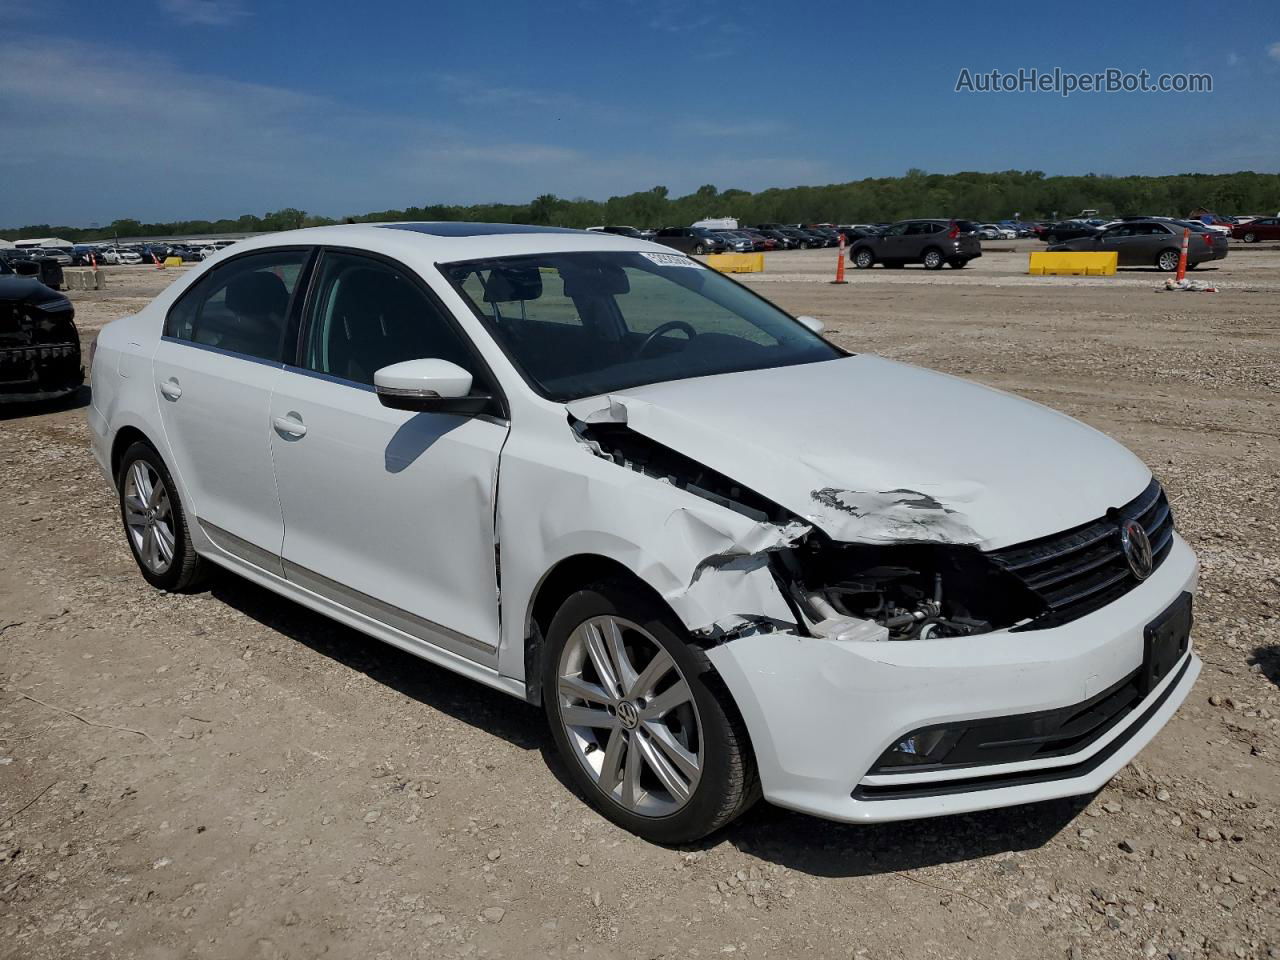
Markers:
point(726, 556)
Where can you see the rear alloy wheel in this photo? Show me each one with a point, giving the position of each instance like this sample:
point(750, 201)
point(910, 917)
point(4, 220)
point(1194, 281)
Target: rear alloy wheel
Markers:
point(154, 522)
point(652, 745)
point(863, 259)
point(1167, 260)
point(1250, 238)
point(933, 259)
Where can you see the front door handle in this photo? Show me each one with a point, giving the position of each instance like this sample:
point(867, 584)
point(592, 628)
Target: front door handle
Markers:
point(290, 426)
point(170, 388)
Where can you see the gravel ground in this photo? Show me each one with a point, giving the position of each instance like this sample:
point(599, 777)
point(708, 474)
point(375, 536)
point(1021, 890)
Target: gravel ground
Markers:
point(225, 774)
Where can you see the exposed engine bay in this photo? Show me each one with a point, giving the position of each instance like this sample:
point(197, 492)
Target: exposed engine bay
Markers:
point(914, 591)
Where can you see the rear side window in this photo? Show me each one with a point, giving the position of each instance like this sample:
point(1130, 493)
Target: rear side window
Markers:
point(242, 306)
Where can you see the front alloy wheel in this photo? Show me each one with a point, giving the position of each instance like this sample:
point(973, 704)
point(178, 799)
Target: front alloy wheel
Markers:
point(647, 730)
point(863, 259)
point(632, 723)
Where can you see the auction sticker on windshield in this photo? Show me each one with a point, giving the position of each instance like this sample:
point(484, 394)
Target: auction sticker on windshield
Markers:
point(671, 260)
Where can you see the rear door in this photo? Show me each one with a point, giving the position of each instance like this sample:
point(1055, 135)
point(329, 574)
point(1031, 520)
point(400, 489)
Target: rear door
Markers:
point(214, 370)
point(387, 512)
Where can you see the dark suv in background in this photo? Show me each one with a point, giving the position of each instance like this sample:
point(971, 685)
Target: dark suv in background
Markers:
point(695, 240)
point(928, 242)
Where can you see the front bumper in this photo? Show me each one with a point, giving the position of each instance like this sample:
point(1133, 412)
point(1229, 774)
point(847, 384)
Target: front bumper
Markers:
point(820, 712)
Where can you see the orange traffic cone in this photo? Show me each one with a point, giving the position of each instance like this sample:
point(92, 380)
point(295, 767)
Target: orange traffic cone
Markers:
point(840, 264)
point(1182, 257)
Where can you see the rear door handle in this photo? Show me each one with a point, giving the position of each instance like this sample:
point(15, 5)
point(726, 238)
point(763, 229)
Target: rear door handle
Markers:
point(171, 389)
point(290, 426)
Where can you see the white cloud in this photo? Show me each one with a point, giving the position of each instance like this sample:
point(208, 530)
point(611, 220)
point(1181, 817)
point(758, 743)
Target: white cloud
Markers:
point(1273, 51)
point(214, 13)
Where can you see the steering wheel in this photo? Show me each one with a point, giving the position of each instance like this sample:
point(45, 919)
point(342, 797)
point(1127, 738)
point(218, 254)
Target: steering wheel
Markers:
point(664, 328)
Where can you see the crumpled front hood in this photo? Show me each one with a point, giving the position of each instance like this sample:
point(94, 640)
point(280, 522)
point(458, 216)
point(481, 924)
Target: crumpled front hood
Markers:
point(874, 451)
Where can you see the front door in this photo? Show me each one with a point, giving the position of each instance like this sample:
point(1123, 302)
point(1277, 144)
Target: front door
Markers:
point(388, 512)
point(214, 370)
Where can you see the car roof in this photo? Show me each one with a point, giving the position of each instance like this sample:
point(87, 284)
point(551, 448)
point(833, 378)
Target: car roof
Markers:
point(447, 241)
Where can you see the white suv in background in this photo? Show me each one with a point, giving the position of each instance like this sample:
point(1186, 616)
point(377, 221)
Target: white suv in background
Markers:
point(726, 556)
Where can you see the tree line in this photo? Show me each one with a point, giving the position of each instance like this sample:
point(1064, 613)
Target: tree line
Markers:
point(1027, 194)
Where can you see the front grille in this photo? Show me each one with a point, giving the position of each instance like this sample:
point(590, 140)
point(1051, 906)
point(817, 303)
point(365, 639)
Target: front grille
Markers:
point(1084, 569)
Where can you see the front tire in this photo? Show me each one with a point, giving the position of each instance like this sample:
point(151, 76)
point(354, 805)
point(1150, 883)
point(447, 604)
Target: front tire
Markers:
point(155, 523)
point(698, 250)
point(1250, 238)
point(646, 729)
point(864, 259)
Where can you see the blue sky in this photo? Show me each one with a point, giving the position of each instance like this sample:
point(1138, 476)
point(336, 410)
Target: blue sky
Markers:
point(160, 109)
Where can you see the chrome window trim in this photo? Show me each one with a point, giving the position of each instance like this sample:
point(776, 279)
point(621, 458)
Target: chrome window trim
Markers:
point(234, 355)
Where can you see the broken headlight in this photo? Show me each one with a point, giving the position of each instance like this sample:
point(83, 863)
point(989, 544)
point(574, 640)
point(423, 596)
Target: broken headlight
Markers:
point(915, 591)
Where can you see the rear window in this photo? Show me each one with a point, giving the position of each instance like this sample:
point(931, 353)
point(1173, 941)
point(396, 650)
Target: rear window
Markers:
point(966, 226)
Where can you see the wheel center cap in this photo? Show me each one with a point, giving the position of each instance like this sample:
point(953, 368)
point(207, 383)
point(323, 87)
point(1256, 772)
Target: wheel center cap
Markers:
point(628, 715)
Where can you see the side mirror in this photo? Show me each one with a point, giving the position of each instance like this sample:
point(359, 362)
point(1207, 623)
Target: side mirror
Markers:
point(431, 385)
point(811, 323)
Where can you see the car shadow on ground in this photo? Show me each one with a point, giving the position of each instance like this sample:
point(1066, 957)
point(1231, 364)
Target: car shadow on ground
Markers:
point(21, 410)
point(1268, 661)
point(806, 844)
point(467, 700)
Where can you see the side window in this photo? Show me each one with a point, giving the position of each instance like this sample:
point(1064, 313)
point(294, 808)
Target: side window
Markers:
point(241, 306)
point(366, 314)
point(897, 230)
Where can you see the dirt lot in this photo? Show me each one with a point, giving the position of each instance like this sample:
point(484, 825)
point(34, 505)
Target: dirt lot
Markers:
point(228, 775)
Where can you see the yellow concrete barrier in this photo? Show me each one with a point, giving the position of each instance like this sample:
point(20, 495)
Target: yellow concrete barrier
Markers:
point(173, 261)
point(736, 262)
point(1073, 264)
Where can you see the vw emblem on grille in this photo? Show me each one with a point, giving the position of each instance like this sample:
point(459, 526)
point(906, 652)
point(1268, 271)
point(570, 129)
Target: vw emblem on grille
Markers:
point(1137, 548)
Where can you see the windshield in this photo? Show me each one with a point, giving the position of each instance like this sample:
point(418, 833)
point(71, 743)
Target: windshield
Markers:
point(580, 324)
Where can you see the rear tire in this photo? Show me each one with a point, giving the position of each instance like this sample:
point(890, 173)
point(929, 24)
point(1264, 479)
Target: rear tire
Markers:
point(1167, 260)
point(155, 523)
point(932, 259)
point(670, 778)
point(863, 259)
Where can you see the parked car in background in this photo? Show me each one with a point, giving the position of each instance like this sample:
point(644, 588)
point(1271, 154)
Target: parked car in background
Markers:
point(736, 242)
point(1068, 230)
point(725, 574)
point(694, 240)
point(39, 343)
point(1151, 243)
point(121, 255)
point(932, 243)
point(1255, 230)
point(63, 257)
point(762, 243)
point(780, 239)
point(621, 231)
